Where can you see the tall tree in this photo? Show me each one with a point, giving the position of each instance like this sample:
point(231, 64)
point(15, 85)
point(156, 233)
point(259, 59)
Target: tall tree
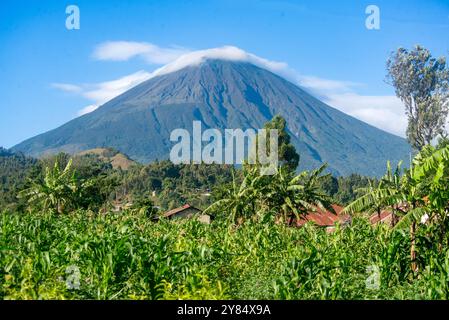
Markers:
point(288, 156)
point(422, 83)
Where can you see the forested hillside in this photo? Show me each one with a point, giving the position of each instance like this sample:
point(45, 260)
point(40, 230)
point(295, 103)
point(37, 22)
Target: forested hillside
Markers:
point(166, 184)
point(15, 169)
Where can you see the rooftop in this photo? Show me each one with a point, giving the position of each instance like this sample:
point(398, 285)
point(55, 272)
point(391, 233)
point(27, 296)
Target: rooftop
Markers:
point(323, 218)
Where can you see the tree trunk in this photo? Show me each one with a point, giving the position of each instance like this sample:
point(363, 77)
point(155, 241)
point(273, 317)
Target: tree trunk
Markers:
point(393, 218)
point(414, 266)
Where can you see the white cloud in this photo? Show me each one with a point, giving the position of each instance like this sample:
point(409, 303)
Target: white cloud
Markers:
point(87, 109)
point(225, 53)
point(384, 112)
point(176, 58)
point(100, 93)
point(105, 91)
point(325, 85)
point(67, 87)
point(125, 50)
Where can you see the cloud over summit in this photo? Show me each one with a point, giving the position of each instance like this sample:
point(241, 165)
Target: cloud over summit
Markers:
point(229, 53)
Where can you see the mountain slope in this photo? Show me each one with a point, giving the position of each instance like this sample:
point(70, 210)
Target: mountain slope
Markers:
point(224, 94)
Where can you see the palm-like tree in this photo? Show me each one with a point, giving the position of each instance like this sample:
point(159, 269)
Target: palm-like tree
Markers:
point(388, 193)
point(295, 196)
point(428, 190)
point(58, 192)
point(240, 199)
point(282, 193)
point(396, 192)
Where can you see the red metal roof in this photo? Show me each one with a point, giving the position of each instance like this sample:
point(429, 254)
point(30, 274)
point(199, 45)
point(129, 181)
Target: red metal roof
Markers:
point(322, 218)
point(383, 216)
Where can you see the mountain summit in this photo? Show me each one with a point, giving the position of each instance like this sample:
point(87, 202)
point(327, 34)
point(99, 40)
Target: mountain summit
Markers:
point(224, 94)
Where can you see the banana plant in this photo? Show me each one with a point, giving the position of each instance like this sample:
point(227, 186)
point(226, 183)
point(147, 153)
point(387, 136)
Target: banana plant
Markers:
point(296, 196)
point(387, 194)
point(59, 191)
point(430, 178)
point(240, 199)
point(422, 191)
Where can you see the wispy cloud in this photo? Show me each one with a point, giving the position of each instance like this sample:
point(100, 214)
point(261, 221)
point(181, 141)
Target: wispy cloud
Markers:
point(125, 50)
point(88, 109)
point(67, 87)
point(230, 53)
point(325, 85)
point(105, 91)
point(99, 93)
point(384, 112)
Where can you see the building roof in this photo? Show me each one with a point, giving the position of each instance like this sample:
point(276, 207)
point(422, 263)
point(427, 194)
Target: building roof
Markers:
point(323, 218)
point(180, 209)
point(384, 215)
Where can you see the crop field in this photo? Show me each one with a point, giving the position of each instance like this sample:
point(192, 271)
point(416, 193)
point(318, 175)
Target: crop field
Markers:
point(127, 256)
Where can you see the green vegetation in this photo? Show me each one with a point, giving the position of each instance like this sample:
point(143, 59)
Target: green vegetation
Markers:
point(126, 256)
point(421, 193)
point(286, 151)
point(15, 170)
point(77, 252)
point(82, 228)
point(282, 195)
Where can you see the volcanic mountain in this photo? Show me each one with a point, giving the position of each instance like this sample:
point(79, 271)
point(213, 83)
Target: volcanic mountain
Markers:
point(224, 94)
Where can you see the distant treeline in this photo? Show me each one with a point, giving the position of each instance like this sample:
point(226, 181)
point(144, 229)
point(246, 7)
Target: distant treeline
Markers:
point(166, 184)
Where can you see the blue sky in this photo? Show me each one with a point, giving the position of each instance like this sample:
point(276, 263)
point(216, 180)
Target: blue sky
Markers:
point(49, 74)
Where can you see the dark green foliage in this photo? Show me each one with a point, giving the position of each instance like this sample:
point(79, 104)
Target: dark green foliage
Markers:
point(343, 190)
point(103, 180)
point(442, 142)
point(287, 154)
point(330, 185)
point(15, 171)
point(347, 187)
point(144, 206)
point(174, 185)
point(126, 255)
point(60, 191)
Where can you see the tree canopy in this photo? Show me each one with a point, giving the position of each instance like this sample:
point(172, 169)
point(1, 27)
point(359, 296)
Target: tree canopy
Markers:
point(422, 83)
